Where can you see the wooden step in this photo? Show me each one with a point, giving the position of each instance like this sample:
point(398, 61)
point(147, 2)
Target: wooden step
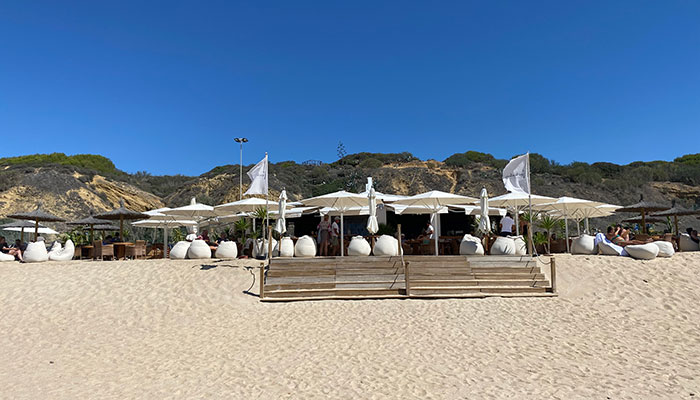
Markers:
point(425, 291)
point(334, 292)
point(477, 282)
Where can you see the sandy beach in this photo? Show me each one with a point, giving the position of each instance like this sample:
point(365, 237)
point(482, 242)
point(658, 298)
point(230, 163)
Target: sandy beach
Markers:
point(184, 329)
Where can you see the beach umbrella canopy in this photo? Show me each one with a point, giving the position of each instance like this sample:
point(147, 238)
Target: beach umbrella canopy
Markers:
point(517, 202)
point(42, 230)
point(20, 226)
point(170, 223)
point(406, 210)
point(372, 224)
point(675, 212)
point(281, 225)
point(568, 207)
point(106, 228)
point(484, 221)
point(340, 201)
point(36, 216)
point(643, 207)
point(435, 200)
point(248, 205)
point(89, 221)
point(476, 210)
point(122, 213)
point(193, 210)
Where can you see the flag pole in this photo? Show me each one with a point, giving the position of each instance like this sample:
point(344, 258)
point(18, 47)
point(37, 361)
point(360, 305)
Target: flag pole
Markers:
point(267, 201)
point(529, 203)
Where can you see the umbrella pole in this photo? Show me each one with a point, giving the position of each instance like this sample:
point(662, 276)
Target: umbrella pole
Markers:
point(342, 236)
point(585, 226)
point(435, 232)
point(566, 234)
point(92, 233)
point(165, 241)
point(36, 230)
point(121, 228)
point(644, 223)
point(578, 227)
point(517, 223)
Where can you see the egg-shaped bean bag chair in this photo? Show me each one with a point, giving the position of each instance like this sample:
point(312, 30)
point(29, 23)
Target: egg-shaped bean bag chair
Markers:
point(226, 249)
point(609, 249)
point(260, 248)
point(686, 243)
point(386, 246)
point(64, 254)
point(359, 247)
point(199, 249)
point(179, 251)
point(520, 245)
point(584, 244)
point(285, 247)
point(55, 247)
point(665, 248)
point(305, 247)
point(503, 246)
point(36, 252)
point(471, 245)
point(647, 251)
point(6, 257)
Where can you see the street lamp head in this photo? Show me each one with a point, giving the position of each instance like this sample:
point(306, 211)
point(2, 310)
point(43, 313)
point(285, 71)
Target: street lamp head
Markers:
point(240, 140)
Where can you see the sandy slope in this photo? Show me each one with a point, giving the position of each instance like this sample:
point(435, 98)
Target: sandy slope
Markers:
point(148, 329)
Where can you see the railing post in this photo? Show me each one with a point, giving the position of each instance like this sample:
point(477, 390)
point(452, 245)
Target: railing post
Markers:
point(400, 244)
point(269, 243)
point(262, 280)
point(553, 274)
point(407, 277)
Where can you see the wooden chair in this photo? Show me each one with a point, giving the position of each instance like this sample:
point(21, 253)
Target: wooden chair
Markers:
point(102, 250)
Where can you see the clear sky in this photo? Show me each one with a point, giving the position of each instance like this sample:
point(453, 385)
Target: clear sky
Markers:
point(166, 86)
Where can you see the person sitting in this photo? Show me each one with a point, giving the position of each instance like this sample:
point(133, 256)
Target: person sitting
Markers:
point(693, 235)
point(14, 250)
point(507, 224)
point(608, 238)
point(204, 236)
point(622, 237)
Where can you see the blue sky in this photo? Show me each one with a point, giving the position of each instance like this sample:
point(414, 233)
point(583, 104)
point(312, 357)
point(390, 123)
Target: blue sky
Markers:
point(166, 86)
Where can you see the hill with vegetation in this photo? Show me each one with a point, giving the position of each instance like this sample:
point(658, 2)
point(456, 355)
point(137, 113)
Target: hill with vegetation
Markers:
point(73, 185)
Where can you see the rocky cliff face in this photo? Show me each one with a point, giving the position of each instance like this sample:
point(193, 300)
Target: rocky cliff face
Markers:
point(68, 194)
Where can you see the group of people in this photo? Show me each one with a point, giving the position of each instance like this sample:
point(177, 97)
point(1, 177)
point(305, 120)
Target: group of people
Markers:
point(328, 234)
point(15, 249)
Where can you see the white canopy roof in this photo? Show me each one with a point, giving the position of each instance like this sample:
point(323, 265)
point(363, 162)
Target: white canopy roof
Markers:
point(405, 210)
point(568, 206)
point(435, 200)
point(340, 200)
point(516, 200)
point(193, 210)
point(246, 205)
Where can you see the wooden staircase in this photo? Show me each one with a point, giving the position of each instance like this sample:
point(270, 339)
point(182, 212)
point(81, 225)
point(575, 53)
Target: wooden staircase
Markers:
point(290, 279)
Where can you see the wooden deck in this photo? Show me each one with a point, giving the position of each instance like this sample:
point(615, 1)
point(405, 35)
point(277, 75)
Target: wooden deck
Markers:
point(293, 279)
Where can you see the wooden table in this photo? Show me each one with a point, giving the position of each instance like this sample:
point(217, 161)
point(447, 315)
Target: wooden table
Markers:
point(120, 249)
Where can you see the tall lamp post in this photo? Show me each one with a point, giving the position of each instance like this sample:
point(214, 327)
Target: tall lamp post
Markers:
point(240, 140)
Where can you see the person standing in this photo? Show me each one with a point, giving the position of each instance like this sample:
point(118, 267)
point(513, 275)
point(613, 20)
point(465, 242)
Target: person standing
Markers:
point(335, 237)
point(507, 224)
point(324, 229)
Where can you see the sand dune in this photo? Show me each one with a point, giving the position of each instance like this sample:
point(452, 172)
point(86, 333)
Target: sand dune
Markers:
point(183, 329)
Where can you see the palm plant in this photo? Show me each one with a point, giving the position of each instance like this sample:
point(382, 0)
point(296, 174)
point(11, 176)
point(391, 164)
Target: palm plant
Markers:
point(549, 224)
point(242, 226)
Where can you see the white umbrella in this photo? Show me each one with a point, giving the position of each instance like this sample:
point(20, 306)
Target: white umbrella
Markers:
point(340, 201)
point(41, 230)
point(372, 224)
point(435, 200)
point(281, 226)
point(518, 202)
point(406, 210)
point(476, 210)
point(193, 211)
point(355, 211)
point(158, 219)
point(596, 212)
point(568, 207)
point(484, 221)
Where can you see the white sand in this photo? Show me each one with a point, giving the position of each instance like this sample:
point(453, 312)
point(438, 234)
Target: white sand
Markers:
point(151, 329)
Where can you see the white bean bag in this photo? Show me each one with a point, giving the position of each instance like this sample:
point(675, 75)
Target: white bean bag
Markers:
point(359, 247)
point(520, 245)
point(36, 252)
point(260, 248)
point(179, 251)
point(6, 257)
point(63, 254)
point(665, 248)
point(687, 244)
point(198, 249)
point(503, 246)
point(226, 249)
point(610, 249)
point(305, 247)
point(386, 246)
point(285, 247)
point(584, 244)
point(647, 251)
point(471, 245)
point(55, 247)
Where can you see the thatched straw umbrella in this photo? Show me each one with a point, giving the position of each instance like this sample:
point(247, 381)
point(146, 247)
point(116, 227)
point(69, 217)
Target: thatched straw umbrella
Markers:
point(676, 211)
point(643, 207)
point(121, 214)
point(647, 220)
point(36, 216)
point(91, 222)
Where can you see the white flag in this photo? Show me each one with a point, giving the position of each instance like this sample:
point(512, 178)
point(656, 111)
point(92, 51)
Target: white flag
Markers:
point(258, 178)
point(516, 175)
